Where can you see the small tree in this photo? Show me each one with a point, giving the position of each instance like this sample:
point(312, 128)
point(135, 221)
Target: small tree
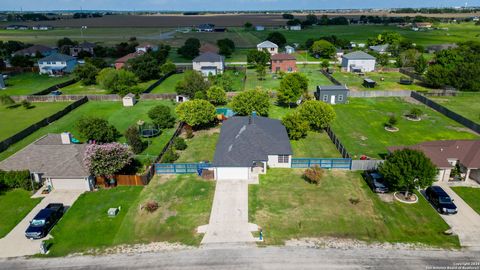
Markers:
point(296, 126)
point(261, 72)
point(179, 144)
point(323, 48)
point(196, 113)
point(6, 100)
point(26, 104)
point(256, 57)
point(169, 156)
point(421, 65)
point(98, 129)
point(277, 38)
point(318, 114)
point(190, 49)
point(248, 25)
point(313, 175)
point(133, 139)
point(392, 121)
point(145, 67)
point(407, 169)
point(86, 73)
point(415, 113)
point(216, 95)
point(325, 64)
point(292, 87)
point(192, 83)
point(117, 81)
point(168, 67)
point(250, 101)
point(107, 159)
point(161, 115)
point(226, 46)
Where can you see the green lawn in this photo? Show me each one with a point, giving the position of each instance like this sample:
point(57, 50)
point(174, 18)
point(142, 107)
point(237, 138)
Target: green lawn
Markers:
point(201, 147)
point(168, 86)
point(15, 205)
point(79, 89)
point(184, 204)
point(390, 82)
point(326, 210)
point(470, 196)
point(465, 104)
point(30, 83)
point(278, 112)
point(315, 145)
point(16, 119)
point(360, 126)
point(239, 55)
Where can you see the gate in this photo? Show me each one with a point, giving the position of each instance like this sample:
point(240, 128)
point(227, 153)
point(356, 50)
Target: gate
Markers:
point(180, 168)
point(324, 163)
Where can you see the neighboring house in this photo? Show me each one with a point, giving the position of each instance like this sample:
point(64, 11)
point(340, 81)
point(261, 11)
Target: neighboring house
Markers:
point(82, 47)
point(129, 100)
point(446, 155)
point(42, 27)
point(289, 49)
point(57, 64)
point(271, 47)
point(248, 144)
point(339, 54)
point(441, 47)
point(208, 47)
point(332, 94)
point(16, 27)
point(120, 62)
point(33, 50)
point(206, 27)
point(422, 25)
point(381, 49)
point(283, 62)
point(259, 28)
point(209, 64)
point(358, 60)
point(145, 47)
point(53, 160)
point(295, 27)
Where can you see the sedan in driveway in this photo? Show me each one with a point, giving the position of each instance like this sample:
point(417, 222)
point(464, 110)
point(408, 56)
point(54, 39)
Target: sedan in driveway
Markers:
point(376, 182)
point(440, 200)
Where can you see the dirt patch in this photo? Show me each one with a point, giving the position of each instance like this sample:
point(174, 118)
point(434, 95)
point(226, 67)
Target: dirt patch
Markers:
point(385, 197)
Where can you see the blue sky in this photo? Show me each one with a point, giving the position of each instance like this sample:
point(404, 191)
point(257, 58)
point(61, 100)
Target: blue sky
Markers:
point(182, 5)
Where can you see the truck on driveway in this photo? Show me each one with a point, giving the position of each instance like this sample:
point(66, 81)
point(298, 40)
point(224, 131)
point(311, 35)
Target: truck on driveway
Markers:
point(44, 221)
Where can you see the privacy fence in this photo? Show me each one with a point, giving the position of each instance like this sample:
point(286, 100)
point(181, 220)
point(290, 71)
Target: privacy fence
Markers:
point(157, 83)
point(180, 168)
point(55, 87)
point(324, 163)
point(336, 141)
point(330, 77)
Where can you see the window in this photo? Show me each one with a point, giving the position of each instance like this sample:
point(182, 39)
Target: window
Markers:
point(325, 98)
point(340, 97)
point(283, 158)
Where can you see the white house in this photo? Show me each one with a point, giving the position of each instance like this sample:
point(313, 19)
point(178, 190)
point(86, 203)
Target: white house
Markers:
point(209, 63)
point(289, 49)
point(259, 28)
point(144, 47)
point(248, 144)
point(295, 27)
point(358, 60)
point(129, 100)
point(57, 64)
point(271, 47)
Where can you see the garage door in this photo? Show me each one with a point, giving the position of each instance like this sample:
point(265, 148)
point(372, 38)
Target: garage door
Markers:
point(232, 173)
point(69, 184)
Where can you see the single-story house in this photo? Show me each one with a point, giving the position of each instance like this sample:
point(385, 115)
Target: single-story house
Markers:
point(295, 27)
point(381, 49)
point(206, 27)
point(120, 62)
point(423, 25)
point(441, 47)
point(259, 28)
point(271, 47)
point(450, 154)
point(209, 64)
point(209, 47)
point(54, 161)
point(359, 60)
point(42, 27)
point(82, 47)
point(16, 27)
point(332, 94)
point(248, 144)
point(33, 50)
point(283, 62)
point(129, 100)
point(57, 64)
point(289, 49)
point(145, 47)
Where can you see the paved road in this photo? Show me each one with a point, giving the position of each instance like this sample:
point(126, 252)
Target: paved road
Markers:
point(15, 243)
point(259, 258)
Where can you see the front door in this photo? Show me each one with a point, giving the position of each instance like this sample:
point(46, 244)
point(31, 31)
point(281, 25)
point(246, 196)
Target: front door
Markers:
point(332, 99)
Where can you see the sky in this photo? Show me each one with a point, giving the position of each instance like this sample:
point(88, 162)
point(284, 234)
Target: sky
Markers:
point(217, 5)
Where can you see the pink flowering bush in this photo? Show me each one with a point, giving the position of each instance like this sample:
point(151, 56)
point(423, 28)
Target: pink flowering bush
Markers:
point(107, 159)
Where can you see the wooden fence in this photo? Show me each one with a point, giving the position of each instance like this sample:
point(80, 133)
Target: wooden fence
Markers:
point(124, 180)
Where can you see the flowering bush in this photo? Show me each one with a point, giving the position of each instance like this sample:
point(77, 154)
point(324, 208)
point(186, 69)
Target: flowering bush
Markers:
point(151, 206)
point(107, 159)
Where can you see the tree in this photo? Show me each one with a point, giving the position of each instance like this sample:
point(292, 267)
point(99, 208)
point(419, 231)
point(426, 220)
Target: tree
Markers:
point(382, 59)
point(250, 101)
point(408, 58)
point(421, 65)
point(391, 121)
point(161, 115)
point(226, 46)
point(297, 127)
point(318, 114)
point(145, 67)
point(6, 100)
point(168, 67)
point(21, 61)
point(107, 159)
point(224, 80)
point(325, 63)
point(86, 73)
point(117, 81)
point(256, 57)
point(216, 95)
point(323, 48)
point(406, 169)
point(437, 76)
point(133, 139)
point(192, 83)
point(66, 42)
point(190, 49)
point(287, 16)
point(248, 25)
point(196, 113)
point(97, 129)
point(292, 87)
point(311, 19)
point(261, 72)
point(277, 38)
point(179, 144)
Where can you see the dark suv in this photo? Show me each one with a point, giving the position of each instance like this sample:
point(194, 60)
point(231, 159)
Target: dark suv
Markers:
point(376, 182)
point(440, 200)
point(43, 222)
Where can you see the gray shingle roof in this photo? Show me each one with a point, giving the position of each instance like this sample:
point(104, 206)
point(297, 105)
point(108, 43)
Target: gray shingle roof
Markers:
point(242, 143)
point(50, 157)
point(57, 57)
point(33, 49)
point(267, 44)
point(332, 88)
point(358, 55)
point(209, 57)
point(380, 48)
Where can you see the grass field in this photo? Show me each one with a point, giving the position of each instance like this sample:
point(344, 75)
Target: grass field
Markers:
point(30, 83)
point(201, 147)
point(326, 210)
point(470, 196)
point(16, 119)
point(360, 126)
point(79, 89)
point(184, 204)
point(168, 86)
point(15, 205)
point(465, 104)
point(390, 82)
point(315, 145)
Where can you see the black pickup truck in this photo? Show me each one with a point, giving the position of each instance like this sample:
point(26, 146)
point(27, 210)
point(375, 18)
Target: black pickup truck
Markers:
point(44, 221)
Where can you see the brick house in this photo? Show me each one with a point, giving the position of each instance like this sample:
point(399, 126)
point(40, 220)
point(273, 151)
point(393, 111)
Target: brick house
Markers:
point(283, 62)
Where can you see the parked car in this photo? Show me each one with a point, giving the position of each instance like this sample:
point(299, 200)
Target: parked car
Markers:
point(376, 182)
point(56, 93)
point(440, 200)
point(44, 221)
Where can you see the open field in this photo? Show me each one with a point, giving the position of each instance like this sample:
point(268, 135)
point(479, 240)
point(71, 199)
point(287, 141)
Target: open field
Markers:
point(465, 104)
point(470, 196)
point(326, 210)
point(390, 81)
point(30, 83)
point(315, 145)
point(184, 204)
point(79, 89)
point(201, 147)
point(16, 119)
point(168, 86)
point(360, 126)
point(15, 205)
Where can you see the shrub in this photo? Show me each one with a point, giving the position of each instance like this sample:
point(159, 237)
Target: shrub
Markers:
point(292, 87)
point(296, 126)
point(26, 104)
point(16, 179)
point(313, 175)
point(98, 129)
point(169, 156)
point(392, 121)
point(216, 95)
point(162, 116)
point(151, 206)
point(179, 144)
point(6, 100)
point(133, 139)
point(116, 81)
point(86, 73)
point(415, 113)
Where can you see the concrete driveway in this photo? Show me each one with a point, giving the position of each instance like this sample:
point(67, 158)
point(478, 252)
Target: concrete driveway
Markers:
point(466, 223)
point(229, 217)
point(15, 243)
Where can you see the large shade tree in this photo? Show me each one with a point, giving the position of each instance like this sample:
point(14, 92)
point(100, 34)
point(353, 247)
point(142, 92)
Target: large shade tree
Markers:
point(292, 87)
point(250, 101)
point(196, 113)
point(318, 114)
point(192, 84)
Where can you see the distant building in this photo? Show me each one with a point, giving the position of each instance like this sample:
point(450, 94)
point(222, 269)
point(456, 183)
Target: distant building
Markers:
point(338, 54)
point(295, 27)
point(208, 47)
point(209, 64)
point(283, 62)
point(423, 25)
point(120, 62)
point(82, 47)
point(289, 49)
point(206, 27)
point(271, 47)
point(332, 94)
point(16, 27)
point(42, 27)
point(358, 60)
point(145, 47)
point(33, 50)
point(441, 47)
point(381, 49)
point(57, 64)
point(259, 28)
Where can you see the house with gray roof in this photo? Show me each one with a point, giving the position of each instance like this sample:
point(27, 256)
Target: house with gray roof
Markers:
point(209, 63)
point(54, 161)
point(358, 60)
point(269, 46)
point(32, 51)
point(332, 94)
point(248, 144)
point(57, 64)
point(382, 49)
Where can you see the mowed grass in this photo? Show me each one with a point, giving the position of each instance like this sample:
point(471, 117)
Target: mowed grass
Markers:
point(465, 104)
point(201, 147)
point(15, 205)
point(30, 83)
point(287, 207)
point(80, 89)
point(470, 196)
point(16, 119)
point(390, 81)
point(184, 204)
point(168, 86)
point(360, 126)
point(315, 145)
